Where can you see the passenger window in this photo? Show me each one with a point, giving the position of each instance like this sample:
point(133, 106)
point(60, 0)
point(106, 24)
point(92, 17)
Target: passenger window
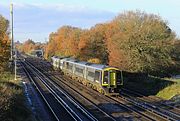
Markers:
point(79, 70)
point(105, 77)
point(91, 74)
point(97, 75)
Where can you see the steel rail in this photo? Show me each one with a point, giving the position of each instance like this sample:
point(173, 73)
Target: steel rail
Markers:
point(146, 107)
point(149, 98)
point(149, 107)
point(85, 98)
point(83, 110)
point(32, 80)
point(133, 110)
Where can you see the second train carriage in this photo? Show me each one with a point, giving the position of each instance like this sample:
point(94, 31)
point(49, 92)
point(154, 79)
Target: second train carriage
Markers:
point(103, 78)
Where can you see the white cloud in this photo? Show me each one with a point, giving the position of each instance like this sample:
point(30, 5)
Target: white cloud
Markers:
point(61, 7)
point(30, 19)
point(57, 7)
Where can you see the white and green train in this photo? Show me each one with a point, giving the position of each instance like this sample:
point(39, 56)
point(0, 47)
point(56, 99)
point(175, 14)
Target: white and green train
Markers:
point(105, 79)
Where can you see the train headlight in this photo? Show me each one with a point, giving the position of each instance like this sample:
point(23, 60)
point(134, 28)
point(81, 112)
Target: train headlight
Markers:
point(112, 90)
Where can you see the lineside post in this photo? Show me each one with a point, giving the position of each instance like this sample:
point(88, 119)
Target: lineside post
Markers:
point(12, 37)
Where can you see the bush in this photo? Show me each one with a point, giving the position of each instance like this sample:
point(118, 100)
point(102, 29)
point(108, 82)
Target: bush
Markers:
point(12, 101)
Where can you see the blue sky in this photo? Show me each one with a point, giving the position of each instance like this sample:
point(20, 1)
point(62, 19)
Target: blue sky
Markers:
point(36, 19)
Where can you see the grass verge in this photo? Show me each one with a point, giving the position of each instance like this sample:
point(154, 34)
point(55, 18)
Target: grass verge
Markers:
point(12, 100)
point(165, 88)
point(170, 91)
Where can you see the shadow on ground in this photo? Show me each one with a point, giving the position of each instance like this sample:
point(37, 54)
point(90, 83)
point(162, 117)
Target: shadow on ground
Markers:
point(144, 83)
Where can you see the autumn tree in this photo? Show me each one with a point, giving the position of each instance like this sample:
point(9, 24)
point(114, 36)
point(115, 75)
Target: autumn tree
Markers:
point(29, 45)
point(64, 42)
point(92, 45)
point(144, 41)
point(4, 43)
point(133, 41)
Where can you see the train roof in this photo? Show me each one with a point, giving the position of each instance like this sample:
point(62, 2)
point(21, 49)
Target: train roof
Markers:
point(57, 57)
point(69, 59)
point(81, 63)
point(84, 63)
point(97, 66)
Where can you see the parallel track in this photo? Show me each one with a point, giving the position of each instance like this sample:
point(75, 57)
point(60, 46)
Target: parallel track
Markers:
point(79, 114)
point(161, 111)
point(121, 105)
point(150, 111)
point(95, 109)
point(157, 102)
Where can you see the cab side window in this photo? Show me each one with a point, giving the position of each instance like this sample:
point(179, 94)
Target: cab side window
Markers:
point(105, 77)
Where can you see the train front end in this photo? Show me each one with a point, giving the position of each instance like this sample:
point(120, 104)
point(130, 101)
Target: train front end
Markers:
point(112, 80)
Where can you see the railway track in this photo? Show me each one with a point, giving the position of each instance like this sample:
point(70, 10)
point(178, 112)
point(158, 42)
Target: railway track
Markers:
point(62, 80)
point(99, 113)
point(156, 102)
point(149, 112)
point(155, 112)
point(62, 106)
point(130, 108)
point(94, 108)
point(125, 104)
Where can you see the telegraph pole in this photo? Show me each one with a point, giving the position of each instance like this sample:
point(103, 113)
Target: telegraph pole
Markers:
point(12, 36)
point(12, 42)
point(15, 68)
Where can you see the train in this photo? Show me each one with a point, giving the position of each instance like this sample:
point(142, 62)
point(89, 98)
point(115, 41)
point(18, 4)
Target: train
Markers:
point(37, 53)
point(105, 79)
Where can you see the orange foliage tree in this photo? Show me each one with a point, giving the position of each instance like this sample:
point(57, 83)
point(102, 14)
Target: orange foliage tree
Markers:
point(64, 42)
point(134, 41)
point(92, 44)
point(29, 45)
point(4, 43)
point(144, 42)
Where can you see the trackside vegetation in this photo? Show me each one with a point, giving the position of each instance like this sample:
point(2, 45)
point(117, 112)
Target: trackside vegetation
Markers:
point(12, 100)
point(165, 88)
point(170, 91)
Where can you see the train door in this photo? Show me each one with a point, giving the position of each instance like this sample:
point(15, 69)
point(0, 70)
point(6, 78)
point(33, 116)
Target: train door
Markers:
point(112, 77)
point(109, 78)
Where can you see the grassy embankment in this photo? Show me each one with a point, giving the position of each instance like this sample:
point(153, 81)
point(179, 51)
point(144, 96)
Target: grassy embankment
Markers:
point(12, 100)
point(171, 90)
point(165, 88)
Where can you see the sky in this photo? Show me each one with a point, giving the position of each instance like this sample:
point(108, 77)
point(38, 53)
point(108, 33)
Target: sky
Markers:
point(36, 19)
